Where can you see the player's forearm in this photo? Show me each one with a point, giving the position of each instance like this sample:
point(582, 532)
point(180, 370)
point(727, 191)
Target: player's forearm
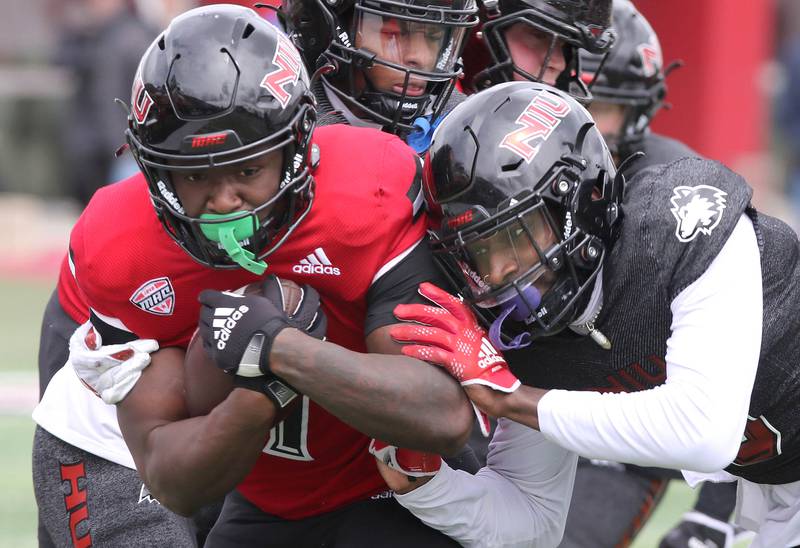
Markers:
point(192, 462)
point(518, 499)
point(399, 400)
point(521, 406)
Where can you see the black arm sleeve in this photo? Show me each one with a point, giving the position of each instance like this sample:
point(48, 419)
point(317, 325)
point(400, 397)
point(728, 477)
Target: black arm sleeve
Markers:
point(399, 286)
point(57, 328)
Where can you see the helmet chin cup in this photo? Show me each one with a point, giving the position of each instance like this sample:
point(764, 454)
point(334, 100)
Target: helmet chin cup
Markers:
point(519, 308)
point(524, 304)
point(229, 233)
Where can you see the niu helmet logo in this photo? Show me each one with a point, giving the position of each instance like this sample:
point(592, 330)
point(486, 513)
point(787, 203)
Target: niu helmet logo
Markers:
point(698, 209)
point(142, 102)
point(651, 59)
point(290, 69)
point(542, 115)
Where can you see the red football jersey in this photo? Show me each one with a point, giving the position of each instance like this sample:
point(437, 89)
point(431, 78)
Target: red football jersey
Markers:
point(365, 215)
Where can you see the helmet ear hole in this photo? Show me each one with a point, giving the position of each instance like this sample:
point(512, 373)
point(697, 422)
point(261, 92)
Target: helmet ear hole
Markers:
point(511, 167)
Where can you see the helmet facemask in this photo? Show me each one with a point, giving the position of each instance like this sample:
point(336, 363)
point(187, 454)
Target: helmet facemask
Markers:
point(240, 239)
point(558, 27)
point(553, 261)
point(502, 68)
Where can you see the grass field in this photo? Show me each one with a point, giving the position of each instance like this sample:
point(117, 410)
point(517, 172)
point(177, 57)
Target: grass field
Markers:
point(19, 341)
point(24, 302)
point(17, 505)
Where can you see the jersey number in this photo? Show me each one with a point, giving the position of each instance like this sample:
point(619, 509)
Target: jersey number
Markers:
point(289, 438)
point(761, 441)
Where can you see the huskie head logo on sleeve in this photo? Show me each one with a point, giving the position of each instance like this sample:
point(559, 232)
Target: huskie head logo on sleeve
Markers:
point(698, 209)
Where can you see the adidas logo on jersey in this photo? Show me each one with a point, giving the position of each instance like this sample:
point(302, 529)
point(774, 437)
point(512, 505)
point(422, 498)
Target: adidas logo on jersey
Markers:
point(316, 263)
point(487, 355)
point(225, 319)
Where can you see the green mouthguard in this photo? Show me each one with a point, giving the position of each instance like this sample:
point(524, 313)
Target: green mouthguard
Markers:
point(229, 234)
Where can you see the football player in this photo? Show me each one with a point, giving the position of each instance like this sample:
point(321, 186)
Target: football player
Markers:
point(236, 182)
point(628, 87)
point(385, 64)
point(613, 501)
point(654, 329)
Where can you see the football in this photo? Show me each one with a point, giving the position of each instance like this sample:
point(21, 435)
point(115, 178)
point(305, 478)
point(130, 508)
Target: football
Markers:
point(207, 385)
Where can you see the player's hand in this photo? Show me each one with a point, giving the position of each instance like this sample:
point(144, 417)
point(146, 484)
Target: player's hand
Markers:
point(109, 371)
point(306, 315)
point(238, 330)
point(404, 470)
point(449, 335)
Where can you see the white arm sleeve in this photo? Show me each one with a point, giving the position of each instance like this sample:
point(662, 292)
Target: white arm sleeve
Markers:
point(520, 498)
point(696, 419)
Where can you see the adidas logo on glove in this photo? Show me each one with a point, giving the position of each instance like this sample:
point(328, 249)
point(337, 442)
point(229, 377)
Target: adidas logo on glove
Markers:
point(225, 319)
point(487, 354)
point(316, 263)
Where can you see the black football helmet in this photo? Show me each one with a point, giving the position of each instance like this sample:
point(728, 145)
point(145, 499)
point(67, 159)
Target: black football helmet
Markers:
point(328, 31)
point(581, 24)
point(219, 86)
point(631, 74)
point(520, 171)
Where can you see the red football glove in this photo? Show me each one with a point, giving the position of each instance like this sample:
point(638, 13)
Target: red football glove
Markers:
point(449, 335)
point(411, 463)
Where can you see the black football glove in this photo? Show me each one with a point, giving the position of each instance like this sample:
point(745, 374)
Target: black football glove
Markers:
point(238, 332)
point(307, 315)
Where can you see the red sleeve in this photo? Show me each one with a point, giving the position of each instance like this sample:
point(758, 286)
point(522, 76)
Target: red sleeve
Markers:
point(400, 202)
point(99, 255)
point(70, 297)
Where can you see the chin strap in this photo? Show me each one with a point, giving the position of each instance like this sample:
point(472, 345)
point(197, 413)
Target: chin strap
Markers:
point(519, 308)
point(584, 325)
point(229, 234)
